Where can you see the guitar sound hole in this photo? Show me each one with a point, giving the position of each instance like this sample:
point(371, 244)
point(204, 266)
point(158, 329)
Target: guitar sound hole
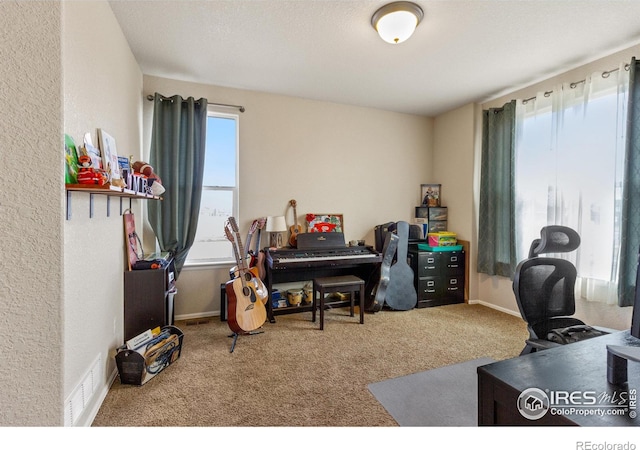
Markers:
point(247, 276)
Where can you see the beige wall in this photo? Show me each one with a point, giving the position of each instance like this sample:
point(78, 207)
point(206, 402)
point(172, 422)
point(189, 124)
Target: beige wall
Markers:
point(453, 167)
point(102, 89)
point(31, 215)
point(364, 163)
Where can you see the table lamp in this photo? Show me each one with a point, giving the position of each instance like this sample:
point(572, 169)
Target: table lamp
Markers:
point(276, 225)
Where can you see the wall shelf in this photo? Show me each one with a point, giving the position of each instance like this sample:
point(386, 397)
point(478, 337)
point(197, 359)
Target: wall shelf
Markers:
point(109, 191)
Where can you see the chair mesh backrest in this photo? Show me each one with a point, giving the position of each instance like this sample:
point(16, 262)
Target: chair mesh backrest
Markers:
point(544, 288)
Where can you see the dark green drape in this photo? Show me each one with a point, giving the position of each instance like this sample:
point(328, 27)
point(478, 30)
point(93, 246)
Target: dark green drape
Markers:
point(630, 227)
point(177, 155)
point(496, 227)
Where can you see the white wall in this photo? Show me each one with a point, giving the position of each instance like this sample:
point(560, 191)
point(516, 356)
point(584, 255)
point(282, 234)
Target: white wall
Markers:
point(366, 164)
point(31, 194)
point(102, 89)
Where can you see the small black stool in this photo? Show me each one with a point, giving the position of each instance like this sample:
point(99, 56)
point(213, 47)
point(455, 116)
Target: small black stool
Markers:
point(346, 283)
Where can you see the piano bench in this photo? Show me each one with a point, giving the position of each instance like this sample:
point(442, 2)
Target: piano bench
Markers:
point(327, 285)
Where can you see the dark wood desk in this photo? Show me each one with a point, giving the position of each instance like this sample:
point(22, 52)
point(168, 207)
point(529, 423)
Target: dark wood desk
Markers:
point(579, 368)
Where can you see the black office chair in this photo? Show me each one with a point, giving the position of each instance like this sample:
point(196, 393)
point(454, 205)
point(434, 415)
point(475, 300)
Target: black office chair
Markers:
point(544, 288)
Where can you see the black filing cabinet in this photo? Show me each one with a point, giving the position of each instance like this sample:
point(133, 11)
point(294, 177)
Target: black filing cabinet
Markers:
point(438, 276)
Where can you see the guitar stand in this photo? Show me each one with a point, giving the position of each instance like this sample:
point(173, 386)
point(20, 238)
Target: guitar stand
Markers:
point(235, 337)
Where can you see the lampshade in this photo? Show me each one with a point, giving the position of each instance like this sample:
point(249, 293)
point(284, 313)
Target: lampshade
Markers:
point(396, 22)
point(276, 224)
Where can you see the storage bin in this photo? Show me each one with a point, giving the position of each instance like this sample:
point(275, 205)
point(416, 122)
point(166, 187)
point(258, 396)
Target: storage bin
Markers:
point(139, 366)
point(437, 225)
point(442, 238)
point(438, 213)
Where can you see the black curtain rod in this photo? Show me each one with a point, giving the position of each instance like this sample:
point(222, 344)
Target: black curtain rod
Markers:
point(573, 85)
point(238, 107)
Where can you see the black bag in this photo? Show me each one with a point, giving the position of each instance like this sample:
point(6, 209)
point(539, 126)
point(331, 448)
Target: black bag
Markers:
point(574, 333)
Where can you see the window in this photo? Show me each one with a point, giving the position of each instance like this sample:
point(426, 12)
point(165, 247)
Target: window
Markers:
point(219, 190)
point(569, 160)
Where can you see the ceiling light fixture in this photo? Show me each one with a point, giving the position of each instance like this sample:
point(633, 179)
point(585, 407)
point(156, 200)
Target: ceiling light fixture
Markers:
point(396, 22)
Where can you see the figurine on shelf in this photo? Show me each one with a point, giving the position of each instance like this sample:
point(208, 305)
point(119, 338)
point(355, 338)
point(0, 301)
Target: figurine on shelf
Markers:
point(87, 174)
point(154, 183)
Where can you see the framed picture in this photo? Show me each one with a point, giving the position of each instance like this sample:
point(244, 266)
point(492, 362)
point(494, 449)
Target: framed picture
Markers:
point(430, 194)
point(324, 223)
point(109, 155)
point(131, 239)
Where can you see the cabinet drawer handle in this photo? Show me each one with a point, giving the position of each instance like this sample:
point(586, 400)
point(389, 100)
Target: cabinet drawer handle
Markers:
point(453, 281)
point(431, 260)
point(431, 283)
point(454, 258)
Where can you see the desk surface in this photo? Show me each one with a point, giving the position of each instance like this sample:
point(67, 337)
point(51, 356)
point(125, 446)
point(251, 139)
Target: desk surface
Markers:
point(579, 368)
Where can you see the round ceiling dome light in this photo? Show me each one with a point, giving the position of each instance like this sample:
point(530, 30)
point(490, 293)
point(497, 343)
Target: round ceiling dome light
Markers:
point(396, 22)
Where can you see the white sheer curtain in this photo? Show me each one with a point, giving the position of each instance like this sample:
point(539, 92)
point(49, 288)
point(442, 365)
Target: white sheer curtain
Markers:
point(569, 160)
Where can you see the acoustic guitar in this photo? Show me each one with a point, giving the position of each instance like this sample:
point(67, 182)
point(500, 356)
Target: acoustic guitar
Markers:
point(248, 255)
point(233, 272)
point(257, 255)
point(296, 228)
point(245, 302)
point(401, 292)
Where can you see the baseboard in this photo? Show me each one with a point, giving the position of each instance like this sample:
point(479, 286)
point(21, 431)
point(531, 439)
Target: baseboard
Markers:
point(200, 315)
point(497, 308)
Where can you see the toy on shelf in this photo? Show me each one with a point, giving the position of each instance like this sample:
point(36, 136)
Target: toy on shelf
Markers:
point(154, 182)
point(87, 174)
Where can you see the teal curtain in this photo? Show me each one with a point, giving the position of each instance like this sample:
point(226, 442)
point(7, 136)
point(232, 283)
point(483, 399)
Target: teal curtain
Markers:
point(496, 227)
point(630, 226)
point(177, 155)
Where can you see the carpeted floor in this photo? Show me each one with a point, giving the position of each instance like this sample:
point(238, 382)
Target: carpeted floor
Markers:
point(296, 375)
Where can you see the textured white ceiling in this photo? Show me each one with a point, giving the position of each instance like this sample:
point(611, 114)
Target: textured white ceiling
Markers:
point(462, 52)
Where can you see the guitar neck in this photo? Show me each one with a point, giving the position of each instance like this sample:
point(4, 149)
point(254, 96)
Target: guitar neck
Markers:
point(239, 257)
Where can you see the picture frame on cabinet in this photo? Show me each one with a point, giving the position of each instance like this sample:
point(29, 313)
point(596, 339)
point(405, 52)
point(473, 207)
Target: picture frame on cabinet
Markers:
point(430, 194)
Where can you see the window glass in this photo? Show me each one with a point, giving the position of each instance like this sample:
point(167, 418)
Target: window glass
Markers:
point(219, 191)
point(569, 155)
